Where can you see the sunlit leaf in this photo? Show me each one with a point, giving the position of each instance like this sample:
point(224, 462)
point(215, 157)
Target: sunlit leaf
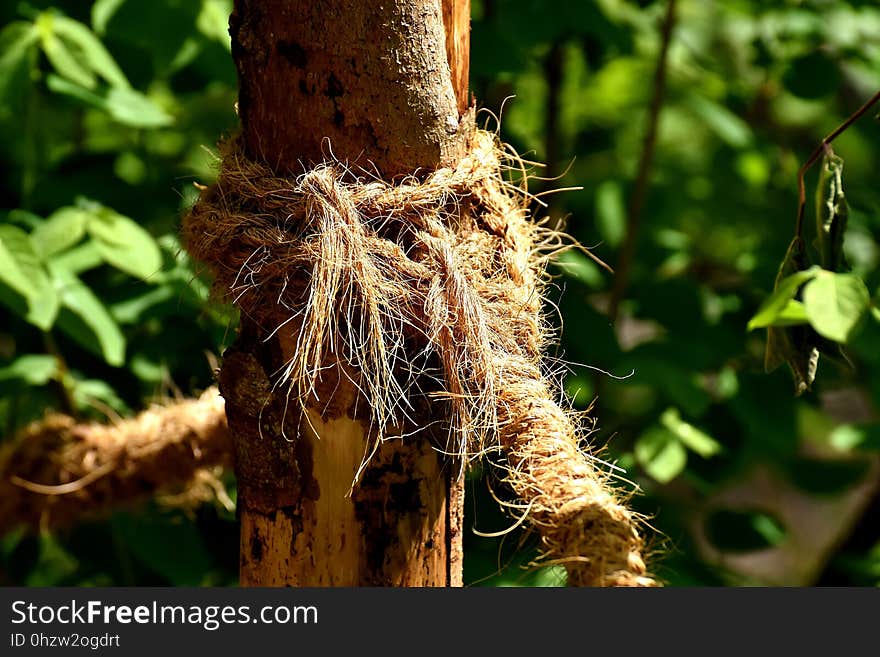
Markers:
point(778, 303)
point(126, 106)
point(611, 212)
point(11, 273)
point(213, 21)
point(32, 369)
point(863, 437)
point(131, 310)
point(93, 52)
point(835, 303)
point(729, 127)
point(579, 267)
point(123, 243)
point(63, 59)
point(22, 270)
point(692, 437)
point(94, 326)
point(793, 314)
point(135, 109)
point(86, 392)
point(661, 454)
point(79, 259)
point(61, 230)
point(102, 12)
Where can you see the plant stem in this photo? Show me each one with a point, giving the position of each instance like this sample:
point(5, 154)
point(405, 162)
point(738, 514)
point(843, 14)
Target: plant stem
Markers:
point(637, 200)
point(820, 150)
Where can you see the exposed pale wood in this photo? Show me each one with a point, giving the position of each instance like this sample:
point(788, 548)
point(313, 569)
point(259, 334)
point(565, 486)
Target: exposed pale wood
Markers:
point(457, 22)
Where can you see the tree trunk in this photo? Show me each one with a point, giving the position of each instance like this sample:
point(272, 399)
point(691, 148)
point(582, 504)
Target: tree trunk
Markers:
point(364, 83)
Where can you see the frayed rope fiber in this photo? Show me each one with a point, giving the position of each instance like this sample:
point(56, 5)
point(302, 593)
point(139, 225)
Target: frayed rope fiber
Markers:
point(423, 287)
point(57, 471)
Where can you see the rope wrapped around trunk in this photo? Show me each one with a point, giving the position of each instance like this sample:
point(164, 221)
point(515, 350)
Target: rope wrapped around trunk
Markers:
point(427, 287)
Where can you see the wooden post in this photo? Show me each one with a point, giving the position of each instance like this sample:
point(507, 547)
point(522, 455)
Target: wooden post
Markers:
point(367, 83)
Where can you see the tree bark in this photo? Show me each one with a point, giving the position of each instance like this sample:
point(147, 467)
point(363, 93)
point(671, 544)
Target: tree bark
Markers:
point(369, 84)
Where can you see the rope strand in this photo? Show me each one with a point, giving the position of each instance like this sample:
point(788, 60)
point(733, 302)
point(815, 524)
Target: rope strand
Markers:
point(428, 287)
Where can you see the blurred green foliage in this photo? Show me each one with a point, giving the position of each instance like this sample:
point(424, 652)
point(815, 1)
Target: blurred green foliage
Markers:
point(108, 113)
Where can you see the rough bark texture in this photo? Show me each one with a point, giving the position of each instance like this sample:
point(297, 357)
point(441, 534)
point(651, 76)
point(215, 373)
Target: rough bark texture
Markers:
point(370, 84)
point(356, 80)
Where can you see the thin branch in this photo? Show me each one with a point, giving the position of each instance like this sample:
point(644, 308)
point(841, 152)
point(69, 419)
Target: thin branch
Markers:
point(816, 154)
point(637, 200)
point(554, 70)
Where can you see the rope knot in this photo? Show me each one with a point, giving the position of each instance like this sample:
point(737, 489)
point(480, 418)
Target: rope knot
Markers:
point(430, 288)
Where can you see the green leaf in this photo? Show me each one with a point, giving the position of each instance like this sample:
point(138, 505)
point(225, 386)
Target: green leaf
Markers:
point(26, 275)
point(79, 259)
point(579, 267)
point(611, 212)
point(777, 304)
point(65, 87)
point(61, 230)
point(17, 50)
point(725, 124)
point(87, 391)
point(835, 303)
point(11, 273)
point(213, 21)
point(126, 106)
point(135, 109)
point(123, 243)
point(66, 61)
point(91, 324)
point(661, 454)
point(862, 437)
point(102, 12)
point(793, 314)
point(32, 369)
point(131, 310)
point(93, 52)
point(23, 218)
point(692, 437)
